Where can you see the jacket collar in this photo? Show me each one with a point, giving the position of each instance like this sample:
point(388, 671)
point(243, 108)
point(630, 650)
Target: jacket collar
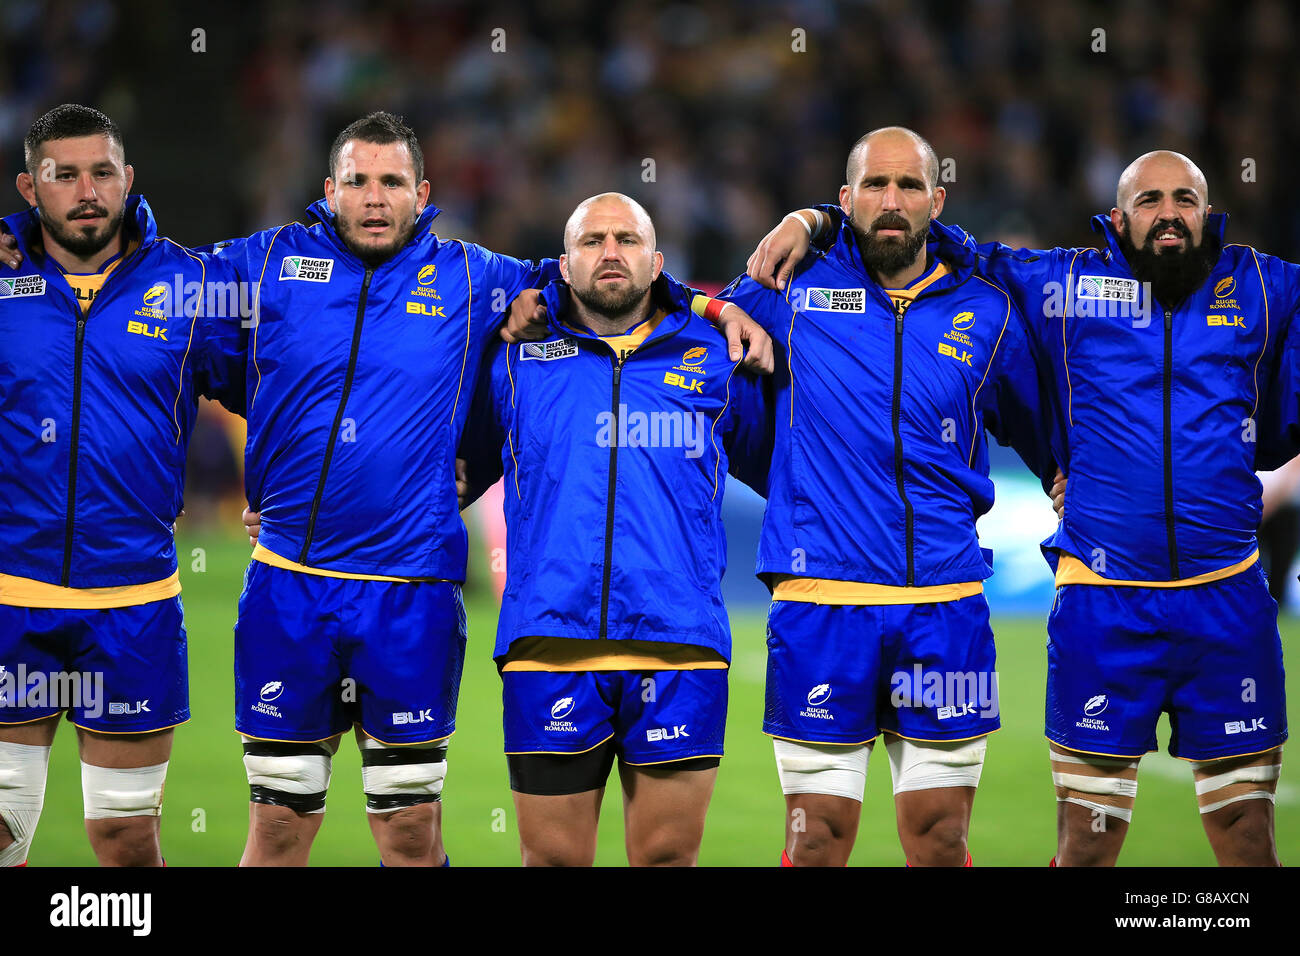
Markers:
point(137, 223)
point(1215, 225)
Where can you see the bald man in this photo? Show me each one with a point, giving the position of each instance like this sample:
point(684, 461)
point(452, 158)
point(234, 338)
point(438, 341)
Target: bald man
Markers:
point(897, 357)
point(1171, 390)
point(614, 433)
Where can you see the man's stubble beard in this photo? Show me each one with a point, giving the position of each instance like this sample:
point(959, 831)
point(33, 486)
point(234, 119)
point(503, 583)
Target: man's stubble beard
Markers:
point(76, 241)
point(612, 304)
point(374, 256)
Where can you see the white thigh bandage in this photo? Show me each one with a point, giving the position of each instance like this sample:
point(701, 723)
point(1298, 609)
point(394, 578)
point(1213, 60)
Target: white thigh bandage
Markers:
point(114, 792)
point(1105, 785)
point(1232, 779)
point(838, 771)
point(398, 777)
point(290, 775)
point(23, 771)
point(925, 765)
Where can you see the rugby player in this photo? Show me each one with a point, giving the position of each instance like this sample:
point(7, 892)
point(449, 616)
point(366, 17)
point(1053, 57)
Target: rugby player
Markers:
point(351, 613)
point(614, 434)
point(1171, 389)
point(105, 349)
point(897, 357)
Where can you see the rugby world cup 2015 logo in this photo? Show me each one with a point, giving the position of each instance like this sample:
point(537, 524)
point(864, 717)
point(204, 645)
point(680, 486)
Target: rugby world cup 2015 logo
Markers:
point(21, 286)
point(306, 269)
point(835, 300)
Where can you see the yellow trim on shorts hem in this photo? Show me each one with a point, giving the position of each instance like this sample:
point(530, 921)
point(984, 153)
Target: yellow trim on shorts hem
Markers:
point(1097, 753)
point(941, 740)
point(409, 743)
point(124, 733)
point(1253, 753)
point(656, 763)
point(824, 743)
point(1071, 570)
point(18, 723)
point(556, 753)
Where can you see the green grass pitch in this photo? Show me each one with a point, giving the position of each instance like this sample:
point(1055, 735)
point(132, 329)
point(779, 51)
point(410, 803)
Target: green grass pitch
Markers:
point(205, 814)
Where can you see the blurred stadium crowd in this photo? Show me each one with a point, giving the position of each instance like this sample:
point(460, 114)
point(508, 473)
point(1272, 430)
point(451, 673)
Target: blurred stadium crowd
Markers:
point(740, 126)
point(745, 108)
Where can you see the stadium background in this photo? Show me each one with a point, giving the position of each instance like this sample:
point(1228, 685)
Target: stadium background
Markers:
point(741, 125)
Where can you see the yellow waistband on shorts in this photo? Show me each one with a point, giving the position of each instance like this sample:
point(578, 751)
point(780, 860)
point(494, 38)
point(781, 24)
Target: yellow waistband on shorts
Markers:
point(267, 556)
point(826, 591)
point(25, 592)
point(1070, 570)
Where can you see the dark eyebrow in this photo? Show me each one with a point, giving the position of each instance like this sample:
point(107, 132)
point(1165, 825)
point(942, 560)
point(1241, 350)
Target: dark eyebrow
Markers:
point(1183, 192)
point(358, 177)
point(618, 234)
point(904, 180)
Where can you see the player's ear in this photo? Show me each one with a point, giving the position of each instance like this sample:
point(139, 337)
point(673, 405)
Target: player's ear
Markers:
point(329, 194)
point(846, 193)
point(129, 172)
point(564, 266)
point(422, 196)
point(940, 194)
point(1117, 221)
point(658, 265)
point(26, 187)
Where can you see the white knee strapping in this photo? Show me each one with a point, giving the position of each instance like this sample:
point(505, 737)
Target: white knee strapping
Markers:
point(291, 774)
point(23, 771)
point(1221, 782)
point(398, 777)
point(925, 765)
point(1102, 784)
point(108, 792)
point(838, 771)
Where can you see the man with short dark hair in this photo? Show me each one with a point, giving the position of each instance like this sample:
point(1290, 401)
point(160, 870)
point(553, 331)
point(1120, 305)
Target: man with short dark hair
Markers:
point(108, 334)
point(368, 333)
